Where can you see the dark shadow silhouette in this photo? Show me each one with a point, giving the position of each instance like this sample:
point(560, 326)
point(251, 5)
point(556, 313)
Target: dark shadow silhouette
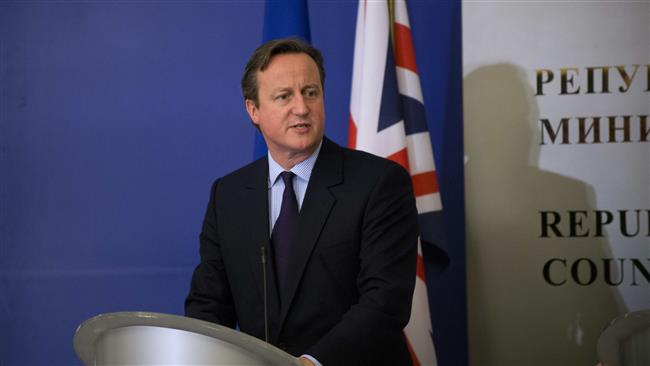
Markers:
point(515, 317)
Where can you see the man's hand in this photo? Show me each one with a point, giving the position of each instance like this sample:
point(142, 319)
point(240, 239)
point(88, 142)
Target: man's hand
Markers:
point(305, 361)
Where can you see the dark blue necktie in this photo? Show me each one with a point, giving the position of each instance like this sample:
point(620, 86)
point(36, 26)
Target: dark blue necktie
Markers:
point(284, 231)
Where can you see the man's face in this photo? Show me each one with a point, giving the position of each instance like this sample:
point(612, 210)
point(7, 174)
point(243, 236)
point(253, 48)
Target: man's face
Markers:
point(290, 114)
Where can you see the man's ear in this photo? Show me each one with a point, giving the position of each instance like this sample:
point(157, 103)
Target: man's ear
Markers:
point(253, 112)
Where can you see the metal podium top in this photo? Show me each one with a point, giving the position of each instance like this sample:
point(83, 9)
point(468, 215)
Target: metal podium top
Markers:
point(143, 338)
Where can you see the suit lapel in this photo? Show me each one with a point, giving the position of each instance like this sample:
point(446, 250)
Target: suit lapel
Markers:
point(316, 207)
point(255, 207)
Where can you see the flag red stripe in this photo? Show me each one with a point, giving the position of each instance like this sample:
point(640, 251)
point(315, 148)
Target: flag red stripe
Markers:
point(404, 54)
point(414, 357)
point(425, 183)
point(352, 134)
point(419, 271)
point(401, 157)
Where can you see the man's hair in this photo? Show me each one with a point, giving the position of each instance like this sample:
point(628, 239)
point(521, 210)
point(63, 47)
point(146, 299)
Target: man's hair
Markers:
point(262, 56)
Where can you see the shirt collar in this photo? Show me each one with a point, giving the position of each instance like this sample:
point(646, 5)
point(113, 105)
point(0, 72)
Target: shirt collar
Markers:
point(302, 170)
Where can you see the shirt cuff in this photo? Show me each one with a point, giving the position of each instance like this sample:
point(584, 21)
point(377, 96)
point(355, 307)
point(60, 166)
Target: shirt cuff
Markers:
point(312, 359)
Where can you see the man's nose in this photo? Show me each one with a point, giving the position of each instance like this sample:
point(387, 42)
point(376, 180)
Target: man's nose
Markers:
point(299, 107)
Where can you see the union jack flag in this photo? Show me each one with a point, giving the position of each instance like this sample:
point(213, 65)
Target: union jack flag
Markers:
point(387, 118)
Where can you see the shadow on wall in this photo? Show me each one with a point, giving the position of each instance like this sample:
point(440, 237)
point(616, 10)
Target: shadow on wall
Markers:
point(515, 316)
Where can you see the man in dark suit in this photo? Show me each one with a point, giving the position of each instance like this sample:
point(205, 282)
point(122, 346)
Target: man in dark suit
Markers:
point(340, 229)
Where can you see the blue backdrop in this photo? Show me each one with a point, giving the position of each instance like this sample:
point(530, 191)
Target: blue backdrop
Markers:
point(115, 117)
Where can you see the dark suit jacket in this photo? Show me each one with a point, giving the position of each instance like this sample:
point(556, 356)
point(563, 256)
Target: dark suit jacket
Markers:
point(351, 279)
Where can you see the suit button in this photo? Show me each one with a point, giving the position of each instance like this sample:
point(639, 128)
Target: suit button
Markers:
point(282, 346)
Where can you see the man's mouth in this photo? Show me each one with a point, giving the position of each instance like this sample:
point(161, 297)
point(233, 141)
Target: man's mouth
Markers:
point(300, 125)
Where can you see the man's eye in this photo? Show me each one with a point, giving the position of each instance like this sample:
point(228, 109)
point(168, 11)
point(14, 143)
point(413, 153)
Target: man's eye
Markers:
point(282, 97)
point(311, 93)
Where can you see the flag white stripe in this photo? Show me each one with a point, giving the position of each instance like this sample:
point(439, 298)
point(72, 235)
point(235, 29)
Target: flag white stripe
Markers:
point(357, 64)
point(428, 203)
point(401, 14)
point(418, 334)
point(408, 84)
point(420, 153)
point(386, 142)
point(371, 74)
point(418, 329)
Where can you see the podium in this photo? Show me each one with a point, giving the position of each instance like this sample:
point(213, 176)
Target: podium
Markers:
point(142, 338)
